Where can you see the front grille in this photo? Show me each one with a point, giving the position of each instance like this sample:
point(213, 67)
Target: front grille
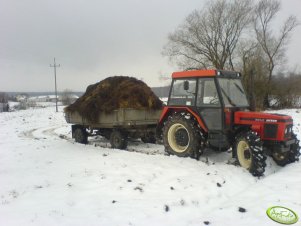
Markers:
point(270, 130)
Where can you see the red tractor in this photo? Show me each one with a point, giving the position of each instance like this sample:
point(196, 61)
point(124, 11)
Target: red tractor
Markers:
point(209, 109)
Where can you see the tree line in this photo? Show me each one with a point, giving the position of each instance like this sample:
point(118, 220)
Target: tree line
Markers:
point(240, 35)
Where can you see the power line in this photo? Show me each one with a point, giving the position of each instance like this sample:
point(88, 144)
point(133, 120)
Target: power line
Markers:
point(55, 66)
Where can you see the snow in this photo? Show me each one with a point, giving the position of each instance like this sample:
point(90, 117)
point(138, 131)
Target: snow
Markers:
point(48, 179)
point(164, 100)
point(13, 104)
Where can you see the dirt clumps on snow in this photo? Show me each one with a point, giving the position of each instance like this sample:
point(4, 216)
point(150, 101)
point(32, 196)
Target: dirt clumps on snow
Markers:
point(242, 210)
point(113, 93)
point(166, 208)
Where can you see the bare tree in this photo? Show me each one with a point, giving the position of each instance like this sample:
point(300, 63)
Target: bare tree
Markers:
point(67, 97)
point(209, 37)
point(272, 45)
point(287, 96)
point(253, 67)
point(4, 102)
point(3, 97)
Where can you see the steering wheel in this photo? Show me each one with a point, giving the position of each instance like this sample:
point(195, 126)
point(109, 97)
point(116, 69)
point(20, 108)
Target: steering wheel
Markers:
point(214, 100)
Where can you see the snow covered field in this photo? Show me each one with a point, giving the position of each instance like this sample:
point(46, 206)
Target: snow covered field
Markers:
point(47, 179)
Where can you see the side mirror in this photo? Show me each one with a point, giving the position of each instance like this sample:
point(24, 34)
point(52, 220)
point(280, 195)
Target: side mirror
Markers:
point(186, 85)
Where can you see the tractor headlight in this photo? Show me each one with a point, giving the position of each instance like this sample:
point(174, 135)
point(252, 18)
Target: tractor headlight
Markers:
point(288, 131)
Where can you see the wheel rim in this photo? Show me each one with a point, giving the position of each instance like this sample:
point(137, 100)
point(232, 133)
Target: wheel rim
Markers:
point(178, 138)
point(244, 154)
point(280, 156)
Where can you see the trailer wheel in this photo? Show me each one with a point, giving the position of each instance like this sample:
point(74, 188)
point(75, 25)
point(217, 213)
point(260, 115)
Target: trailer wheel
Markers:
point(106, 134)
point(249, 153)
point(291, 156)
point(181, 137)
point(118, 140)
point(80, 135)
point(149, 138)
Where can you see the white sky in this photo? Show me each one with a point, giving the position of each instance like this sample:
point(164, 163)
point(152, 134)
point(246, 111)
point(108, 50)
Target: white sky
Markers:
point(94, 39)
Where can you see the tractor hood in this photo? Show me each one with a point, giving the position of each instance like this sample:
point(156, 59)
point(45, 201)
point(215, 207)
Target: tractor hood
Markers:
point(241, 117)
point(274, 127)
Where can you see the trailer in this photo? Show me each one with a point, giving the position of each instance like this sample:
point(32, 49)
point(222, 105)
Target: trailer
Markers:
point(117, 126)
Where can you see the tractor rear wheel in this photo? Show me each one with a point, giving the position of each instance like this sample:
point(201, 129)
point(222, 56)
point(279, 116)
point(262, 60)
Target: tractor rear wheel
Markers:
point(249, 153)
point(181, 137)
point(292, 155)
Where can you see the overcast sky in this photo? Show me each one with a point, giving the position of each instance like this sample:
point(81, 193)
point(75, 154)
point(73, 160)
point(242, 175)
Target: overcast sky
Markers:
point(94, 39)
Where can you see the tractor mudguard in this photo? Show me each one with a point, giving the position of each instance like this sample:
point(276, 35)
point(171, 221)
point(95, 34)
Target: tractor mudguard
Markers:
point(169, 110)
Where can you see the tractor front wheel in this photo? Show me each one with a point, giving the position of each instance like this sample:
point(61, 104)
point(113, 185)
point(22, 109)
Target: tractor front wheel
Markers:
point(249, 153)
point(295, 150)
point(292, 155)
point(181, 137)
point(281, 158)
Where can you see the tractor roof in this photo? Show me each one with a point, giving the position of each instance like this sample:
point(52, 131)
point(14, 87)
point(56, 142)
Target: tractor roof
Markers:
point(204, 73)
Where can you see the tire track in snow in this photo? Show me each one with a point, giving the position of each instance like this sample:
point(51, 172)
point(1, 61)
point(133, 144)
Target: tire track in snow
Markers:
point(133, 146)
point(28, 134)
point(44, 133)
point(137, 146)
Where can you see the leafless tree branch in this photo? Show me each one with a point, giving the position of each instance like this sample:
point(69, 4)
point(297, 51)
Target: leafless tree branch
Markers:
point(209, 37)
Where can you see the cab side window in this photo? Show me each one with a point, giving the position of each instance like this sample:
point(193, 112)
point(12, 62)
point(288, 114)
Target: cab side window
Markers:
point(207, 94)
point(183, 92)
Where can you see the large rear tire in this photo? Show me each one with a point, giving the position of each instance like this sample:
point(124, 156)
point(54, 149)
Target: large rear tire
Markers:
point(181, 137)
point(249, 153)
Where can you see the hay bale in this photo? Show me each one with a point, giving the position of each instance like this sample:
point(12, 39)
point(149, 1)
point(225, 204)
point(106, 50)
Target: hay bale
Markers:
point(113, 93)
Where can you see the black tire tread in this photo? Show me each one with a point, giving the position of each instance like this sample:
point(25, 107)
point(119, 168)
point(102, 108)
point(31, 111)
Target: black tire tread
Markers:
point(195, 137)
point(120, 135)
point(293, 154)
point(258, 164)
point(149, 138)
point(80, 135)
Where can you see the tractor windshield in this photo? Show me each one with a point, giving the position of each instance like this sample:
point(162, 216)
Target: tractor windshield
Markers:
point(233, 92)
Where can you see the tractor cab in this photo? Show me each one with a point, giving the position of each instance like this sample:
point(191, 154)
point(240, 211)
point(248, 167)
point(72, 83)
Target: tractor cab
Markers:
point(212, 94)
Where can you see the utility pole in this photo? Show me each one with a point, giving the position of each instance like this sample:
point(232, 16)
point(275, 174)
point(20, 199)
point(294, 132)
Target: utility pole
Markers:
point(252, 95)
point(55, 66)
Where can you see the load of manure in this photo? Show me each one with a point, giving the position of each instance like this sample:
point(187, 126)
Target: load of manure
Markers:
point(113, 93)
